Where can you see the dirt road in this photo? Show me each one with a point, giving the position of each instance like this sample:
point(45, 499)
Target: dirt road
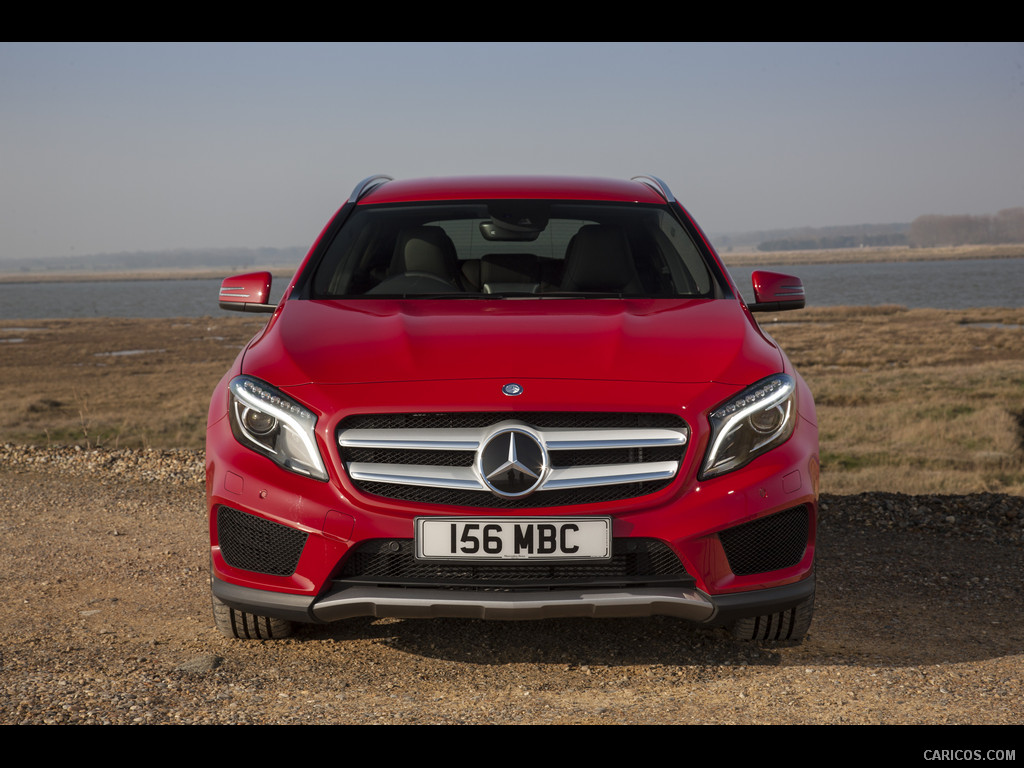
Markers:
point(105, 618)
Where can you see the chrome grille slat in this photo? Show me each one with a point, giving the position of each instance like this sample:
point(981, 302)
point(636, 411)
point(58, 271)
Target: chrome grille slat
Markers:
point(464, 478)
point(412, 439)
point(609, 474)
point(469, 439)
point(459, 478)
point(598, 439)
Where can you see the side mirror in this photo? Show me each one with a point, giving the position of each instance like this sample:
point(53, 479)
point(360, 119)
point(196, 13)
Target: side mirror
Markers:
point(775, 292)
point(246, 293)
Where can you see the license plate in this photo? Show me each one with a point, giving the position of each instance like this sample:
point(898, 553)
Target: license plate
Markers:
point(513, 538)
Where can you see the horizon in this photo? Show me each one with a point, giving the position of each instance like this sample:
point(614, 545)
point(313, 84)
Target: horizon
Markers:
point(135, 148)
point(715, 236)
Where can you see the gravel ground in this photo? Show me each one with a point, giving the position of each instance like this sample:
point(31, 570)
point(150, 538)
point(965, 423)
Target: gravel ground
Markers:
point(106, 619)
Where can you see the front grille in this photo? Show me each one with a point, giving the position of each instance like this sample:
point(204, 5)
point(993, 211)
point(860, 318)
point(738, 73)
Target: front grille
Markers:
point(392, 562)
point(255, 544)
point(430, 458)
point(767, 544)
point(465, 458)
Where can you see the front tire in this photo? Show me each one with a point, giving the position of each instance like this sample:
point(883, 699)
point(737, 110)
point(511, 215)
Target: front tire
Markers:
point(248, 626)
point(790, 625)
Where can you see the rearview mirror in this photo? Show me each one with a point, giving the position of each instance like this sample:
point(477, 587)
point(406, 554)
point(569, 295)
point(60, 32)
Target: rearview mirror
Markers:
point(774, 292)
point(246, 293)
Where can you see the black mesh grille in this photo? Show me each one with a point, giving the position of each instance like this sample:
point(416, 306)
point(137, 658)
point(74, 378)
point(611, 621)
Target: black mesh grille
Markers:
point(421, 495)
point(614, 456)
point(767, 544)
point(400, 456)
point(393, 562)
point(539, 419)
point(254, 544)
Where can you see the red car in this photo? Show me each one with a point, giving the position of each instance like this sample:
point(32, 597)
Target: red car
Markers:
point(512, 398)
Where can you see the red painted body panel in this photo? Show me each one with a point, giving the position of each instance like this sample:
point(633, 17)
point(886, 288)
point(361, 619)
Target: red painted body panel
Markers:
point(511, 188)
point(585, 339)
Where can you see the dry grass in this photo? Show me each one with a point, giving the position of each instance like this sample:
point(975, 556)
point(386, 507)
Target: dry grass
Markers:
point(913, 401)
point(114, 382)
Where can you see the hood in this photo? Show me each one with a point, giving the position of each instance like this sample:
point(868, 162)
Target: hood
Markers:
point(388, 340)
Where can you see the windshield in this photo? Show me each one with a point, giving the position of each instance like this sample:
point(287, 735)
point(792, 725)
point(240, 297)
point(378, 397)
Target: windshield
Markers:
point(511, 248)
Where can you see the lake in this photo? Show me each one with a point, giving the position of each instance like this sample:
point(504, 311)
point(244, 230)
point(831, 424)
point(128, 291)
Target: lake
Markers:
point(936, 284)
point(913, 284)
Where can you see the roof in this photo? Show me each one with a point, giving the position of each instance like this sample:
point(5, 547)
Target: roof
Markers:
point(511, 188)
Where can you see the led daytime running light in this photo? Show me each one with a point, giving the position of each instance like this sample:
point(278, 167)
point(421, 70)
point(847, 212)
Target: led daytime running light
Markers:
point(271, 399)
point(757, 397)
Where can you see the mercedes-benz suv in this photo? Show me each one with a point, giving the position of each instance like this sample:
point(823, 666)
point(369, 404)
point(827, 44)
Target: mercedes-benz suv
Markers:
point(512, 398)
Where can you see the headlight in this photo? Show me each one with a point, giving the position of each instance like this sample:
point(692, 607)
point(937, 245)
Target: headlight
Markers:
point(274, 425)
point(749, 424)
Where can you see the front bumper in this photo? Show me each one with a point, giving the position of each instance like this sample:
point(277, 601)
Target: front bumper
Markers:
point(739, 515)
point(350, 602)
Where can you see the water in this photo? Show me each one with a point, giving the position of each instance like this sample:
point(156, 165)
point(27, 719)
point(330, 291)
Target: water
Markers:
point(913, 284)
point(938, 284)
point(116, 298)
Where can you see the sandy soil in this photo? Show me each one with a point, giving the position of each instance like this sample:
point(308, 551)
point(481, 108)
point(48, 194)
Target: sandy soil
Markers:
point(105, 618)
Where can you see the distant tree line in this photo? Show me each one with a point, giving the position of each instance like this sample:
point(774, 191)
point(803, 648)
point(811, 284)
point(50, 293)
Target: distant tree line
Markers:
point(832, 241)
point(216, 258)
point(1007, 226)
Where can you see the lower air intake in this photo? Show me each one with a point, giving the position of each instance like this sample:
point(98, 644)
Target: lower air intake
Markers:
point(767, 544)
point(254, 544)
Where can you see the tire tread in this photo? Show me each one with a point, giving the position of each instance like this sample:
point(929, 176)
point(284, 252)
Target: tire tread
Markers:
point(248, 626)
point(790, 625)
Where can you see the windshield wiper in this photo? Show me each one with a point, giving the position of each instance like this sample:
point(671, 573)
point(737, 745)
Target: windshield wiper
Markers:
point(581, 295)
point(498, 295)
point(453, 295)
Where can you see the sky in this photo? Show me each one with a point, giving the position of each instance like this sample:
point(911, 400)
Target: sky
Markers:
point(107, 148)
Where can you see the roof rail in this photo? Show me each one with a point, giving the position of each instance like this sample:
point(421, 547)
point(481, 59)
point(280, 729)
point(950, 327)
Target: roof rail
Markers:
point(657, 185)
point(364, 187)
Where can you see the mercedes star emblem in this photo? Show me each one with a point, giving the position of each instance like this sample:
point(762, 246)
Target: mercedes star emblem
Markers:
point(512, 462)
